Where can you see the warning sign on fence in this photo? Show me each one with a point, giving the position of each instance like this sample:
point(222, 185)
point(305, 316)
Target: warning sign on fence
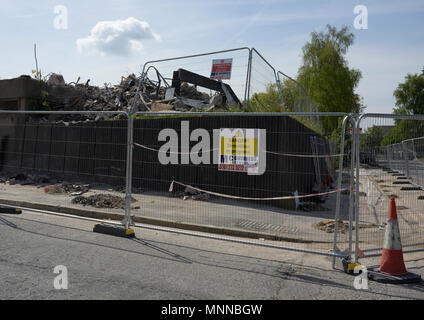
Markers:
point(221, 69)
point(239, 150)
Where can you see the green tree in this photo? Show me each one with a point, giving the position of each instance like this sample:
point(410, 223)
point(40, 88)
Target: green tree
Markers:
point(290, 93)
point(268, 101)
point(371, 138)
point(326, 76)
point(409, 97)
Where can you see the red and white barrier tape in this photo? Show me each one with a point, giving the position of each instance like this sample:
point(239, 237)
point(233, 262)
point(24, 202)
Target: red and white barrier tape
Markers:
point(306, 155)
point(171, 188)
point(270, 152)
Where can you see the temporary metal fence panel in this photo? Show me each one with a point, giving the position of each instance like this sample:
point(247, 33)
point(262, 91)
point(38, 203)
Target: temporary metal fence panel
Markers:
point(66, 160)
point(125, 160)
point(263, 90)
point(295, 98)
point(413, 160)
point(161, 71)
point(387, 166)
point(184, 178)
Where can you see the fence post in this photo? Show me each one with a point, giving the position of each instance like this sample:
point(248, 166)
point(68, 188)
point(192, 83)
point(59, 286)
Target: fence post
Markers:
point(357, 164)
point(128, 179)
point(405, 157)
point(339, 186)
point(389, 157)
point(351, 192)
point(248, 74)
point(280, 89)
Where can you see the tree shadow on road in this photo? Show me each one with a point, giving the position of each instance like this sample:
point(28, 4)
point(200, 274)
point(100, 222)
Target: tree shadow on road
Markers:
point(176, 257)
point(240, 263)
point(8, 223)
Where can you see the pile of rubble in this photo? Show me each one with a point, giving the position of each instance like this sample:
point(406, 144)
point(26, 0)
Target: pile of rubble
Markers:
point(25, 179)
point(102, 201)
point(69, 188)
point(328, 226)
point(108, 98)
point(190, 193)
point(153, 96)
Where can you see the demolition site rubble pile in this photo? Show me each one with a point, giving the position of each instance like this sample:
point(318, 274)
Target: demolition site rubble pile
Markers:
point(152, 97)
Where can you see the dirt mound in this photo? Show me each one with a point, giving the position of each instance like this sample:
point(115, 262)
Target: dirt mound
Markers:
point(101, 201)
point(329, 225)
point(343, 227)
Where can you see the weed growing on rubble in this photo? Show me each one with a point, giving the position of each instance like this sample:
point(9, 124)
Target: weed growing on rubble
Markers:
point(43, 94)
point(37, 75)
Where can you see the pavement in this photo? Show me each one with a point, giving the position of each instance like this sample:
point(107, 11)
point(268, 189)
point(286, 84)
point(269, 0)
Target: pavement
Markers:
point(230, 217)
point(161, 265)
point(376, 188)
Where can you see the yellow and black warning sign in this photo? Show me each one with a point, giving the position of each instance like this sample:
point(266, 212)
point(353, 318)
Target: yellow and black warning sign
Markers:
point(239, 149)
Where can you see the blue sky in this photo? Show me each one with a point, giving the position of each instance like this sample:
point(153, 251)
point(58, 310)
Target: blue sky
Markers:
point(391, 47)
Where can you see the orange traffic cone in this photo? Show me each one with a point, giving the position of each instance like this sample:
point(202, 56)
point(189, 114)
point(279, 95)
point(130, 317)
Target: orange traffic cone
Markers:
point(392, 266)
point(392, 255)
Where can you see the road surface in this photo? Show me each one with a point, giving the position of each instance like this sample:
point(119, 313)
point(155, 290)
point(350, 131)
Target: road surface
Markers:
point(161, 265)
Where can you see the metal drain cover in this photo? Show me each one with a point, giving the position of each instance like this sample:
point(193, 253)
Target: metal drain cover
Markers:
point(260, 226)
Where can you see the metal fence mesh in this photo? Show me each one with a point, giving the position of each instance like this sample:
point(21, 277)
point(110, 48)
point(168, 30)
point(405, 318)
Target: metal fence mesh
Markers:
point(295, 98)
point(65, 160)
point(390, 170)
point(182, 194)
point(161, 70)
point(83, 162)
point(413, 150)
point(264, 92)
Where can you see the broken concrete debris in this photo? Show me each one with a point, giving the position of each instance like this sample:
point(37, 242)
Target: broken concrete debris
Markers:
point(157, 107)
point(328, 226)
point(190, 193)
point(102, 201)
point(53, 189)
point(153, 96)
point(41, 180)
point(71, 189)
point(64, 187)
point(24, 179)
point(56, 80)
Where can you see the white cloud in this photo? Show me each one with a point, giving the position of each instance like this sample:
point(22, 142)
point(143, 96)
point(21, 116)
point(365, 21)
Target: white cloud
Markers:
point(119, 37)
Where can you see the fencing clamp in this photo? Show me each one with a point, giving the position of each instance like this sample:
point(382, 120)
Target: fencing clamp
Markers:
point(10, 210)
point(349, 267)
point(114, 230)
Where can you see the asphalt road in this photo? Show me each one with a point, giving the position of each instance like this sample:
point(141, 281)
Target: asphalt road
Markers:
point(160, 265)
